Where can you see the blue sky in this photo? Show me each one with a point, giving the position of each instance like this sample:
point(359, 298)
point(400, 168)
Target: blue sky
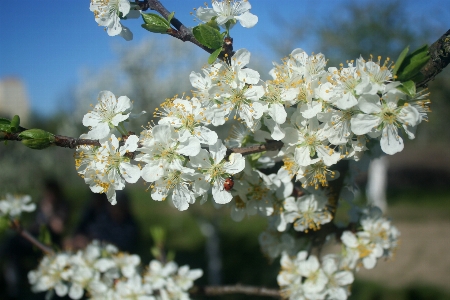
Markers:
point(47, 43)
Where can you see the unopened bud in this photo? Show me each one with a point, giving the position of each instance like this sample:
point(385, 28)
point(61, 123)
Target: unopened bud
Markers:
point(37, 138)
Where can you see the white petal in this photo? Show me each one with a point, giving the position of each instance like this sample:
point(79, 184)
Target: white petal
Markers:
point(369, 103)
point(191, 147)
point(278, 113)
point(247, 19)
point(220, 195)
point(391, 142)
point(236, 163)
point(152, 171)
point(180, 197)
point(100, 131)
point(130, 173)
point(362, 124)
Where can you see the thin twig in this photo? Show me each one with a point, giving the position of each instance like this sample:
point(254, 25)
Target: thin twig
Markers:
point(15, 224)
point(236, 289)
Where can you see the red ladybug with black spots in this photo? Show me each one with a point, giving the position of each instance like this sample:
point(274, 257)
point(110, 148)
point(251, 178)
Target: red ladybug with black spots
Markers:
point(228, 184)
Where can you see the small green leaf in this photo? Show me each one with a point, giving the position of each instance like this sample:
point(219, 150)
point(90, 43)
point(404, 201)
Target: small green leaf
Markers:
point(412, 63)
point(213, 23)
point(44, 235)
point(400, 59)
point(155, 23)
point(37, 138)
point(154, 29)
point(212, 58)
point(15, 122)
point(408, 87)
point(170, 17)
point(412, 68)
point(4, 121)
point(208, 36)
point(419, 53)
point(5, 125)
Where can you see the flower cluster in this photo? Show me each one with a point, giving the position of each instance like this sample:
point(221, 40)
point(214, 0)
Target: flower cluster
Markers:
point(107, 167)
point(304, 276)
point(320, 114)
point(102, 272)
point(12, 206)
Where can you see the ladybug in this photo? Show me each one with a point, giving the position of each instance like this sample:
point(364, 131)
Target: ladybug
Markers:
point(228, 184)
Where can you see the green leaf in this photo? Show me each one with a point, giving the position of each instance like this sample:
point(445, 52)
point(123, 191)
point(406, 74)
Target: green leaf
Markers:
point(408, 87)
point(170, 17)
point(15, 123)
point(37, 138)
point(412, 68)
point(155, 23)
point(412, 63)
point(4, 121)
point(212, 58)
point(419, 53)
point(400, 59)
point(208, 36)
point(213, 23)
point(44, 235)
point(5, 125)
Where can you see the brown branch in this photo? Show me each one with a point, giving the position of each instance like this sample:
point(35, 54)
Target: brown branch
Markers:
point(182, 33)
point(15, 224)
point(268, 146)
point(236, 289)
point(60, 140)
point(439, 53)
point(70, 142)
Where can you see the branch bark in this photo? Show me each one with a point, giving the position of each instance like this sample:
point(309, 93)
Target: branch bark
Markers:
point(236, 289)
point(439, 59)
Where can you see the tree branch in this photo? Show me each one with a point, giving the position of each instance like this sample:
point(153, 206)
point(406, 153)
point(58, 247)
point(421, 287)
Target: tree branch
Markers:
point(15, 224)
point(182, 33)
point(439, 53)
point(236, 289)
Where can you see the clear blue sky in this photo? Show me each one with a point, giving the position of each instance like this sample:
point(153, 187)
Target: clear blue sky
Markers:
point(46, 43)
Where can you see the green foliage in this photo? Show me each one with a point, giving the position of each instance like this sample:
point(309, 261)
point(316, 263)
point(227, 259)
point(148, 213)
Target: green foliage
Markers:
point(212, 58)
point(15, 123)
point(208, 36)
point(156, 23)
point(400, 60)
point(10, 126)
point(5, 125)
point(44, 235)
point(37, 138)
point(408, 87)
point(408, 67)
point(170, 16)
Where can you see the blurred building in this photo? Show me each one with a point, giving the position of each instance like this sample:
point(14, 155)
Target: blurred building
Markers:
point(14, 99)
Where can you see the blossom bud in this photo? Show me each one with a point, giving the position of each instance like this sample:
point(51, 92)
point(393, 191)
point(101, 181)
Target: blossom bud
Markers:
point(37, 138)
